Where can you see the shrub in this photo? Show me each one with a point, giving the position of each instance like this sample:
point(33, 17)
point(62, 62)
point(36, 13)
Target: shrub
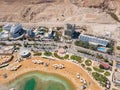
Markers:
point(114, 89)
point(99, 56)
point(38, 54)
point(85, 52)
point(77, 58)
point(85, 45)
point(1, 29)
point(107, 73)
point(66, 56)
point(47, 53)
point(88, 62)
point(98, 69)
point(101, 78)
point(88, 69)
point(111, 62)
point(57, 56)
point(118, 47)
point(83, 65)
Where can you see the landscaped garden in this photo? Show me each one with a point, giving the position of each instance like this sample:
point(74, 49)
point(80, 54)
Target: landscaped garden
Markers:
point(101, 78)
point(37, 54)
point(85, 45)
point(1, 29)
point(98, 69)
point(93, 47)
point(88, 62)
point(59, 57)
point(47, 53)
point(85, 52)
point(88, 69)
point(118, 47)
point(77, 58)
point(66, 56)
point(107, 73)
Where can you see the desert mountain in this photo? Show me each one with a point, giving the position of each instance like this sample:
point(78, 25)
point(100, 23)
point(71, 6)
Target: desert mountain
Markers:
point(58, 10)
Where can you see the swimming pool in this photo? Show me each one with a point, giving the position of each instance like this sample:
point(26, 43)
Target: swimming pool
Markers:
point(102, 49)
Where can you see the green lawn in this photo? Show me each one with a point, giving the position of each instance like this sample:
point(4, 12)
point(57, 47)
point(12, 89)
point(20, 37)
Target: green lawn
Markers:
point(66, 56)
point(98, 69)
point(38, 54)
point(88, 69)
point(77, 58)
point(88, 62)
point(107, 73)
point(101, 78)
point(57, 56)
point(1, 29)
point(47, 53)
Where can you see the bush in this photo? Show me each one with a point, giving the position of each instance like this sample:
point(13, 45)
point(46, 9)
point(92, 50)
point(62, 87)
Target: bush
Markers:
point(88, 69)
point(118, 47)
point(88, 62)
point(38, 54)
point(101, 78)
point(47, 53)
point(98, 69)
point(106, 60)
point(99, 56)
point(66, 56)
point(83, 65)
point(57, 56)
point(107, 73)
point(114, 89)
point(1, 29)
point(77, 58)
point(85, 52)
point(111, 62)
point(85, 45)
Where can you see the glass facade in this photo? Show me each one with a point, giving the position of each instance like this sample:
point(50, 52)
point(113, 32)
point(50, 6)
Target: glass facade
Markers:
point(99, 41)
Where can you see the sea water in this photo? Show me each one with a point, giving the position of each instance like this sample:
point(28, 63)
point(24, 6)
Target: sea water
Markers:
point(41, 81)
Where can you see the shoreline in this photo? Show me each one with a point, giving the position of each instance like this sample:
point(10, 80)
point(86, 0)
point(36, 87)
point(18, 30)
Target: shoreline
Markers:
point(69, 72)
point(69, 82)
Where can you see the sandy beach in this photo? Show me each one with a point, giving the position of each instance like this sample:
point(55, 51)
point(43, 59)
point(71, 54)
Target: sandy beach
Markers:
point(69, 72)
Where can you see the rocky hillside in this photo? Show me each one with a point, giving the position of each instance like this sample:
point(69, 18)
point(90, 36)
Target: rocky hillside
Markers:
point(57, 10)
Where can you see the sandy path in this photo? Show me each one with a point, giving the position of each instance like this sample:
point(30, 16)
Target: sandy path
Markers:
point(69, 72)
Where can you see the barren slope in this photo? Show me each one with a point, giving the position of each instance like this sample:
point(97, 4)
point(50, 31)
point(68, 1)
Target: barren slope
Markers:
point(56, 10)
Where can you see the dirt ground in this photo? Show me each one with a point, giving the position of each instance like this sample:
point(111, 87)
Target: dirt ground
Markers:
point(52, 11)
point(69, 72)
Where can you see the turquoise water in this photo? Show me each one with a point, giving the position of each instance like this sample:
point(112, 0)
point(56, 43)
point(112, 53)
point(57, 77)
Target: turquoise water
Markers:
point(30, 84)
point(41, 81)
point(103, 49)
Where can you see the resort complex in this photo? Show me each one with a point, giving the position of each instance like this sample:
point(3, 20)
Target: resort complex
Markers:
point(87, 61)
point(59, 44)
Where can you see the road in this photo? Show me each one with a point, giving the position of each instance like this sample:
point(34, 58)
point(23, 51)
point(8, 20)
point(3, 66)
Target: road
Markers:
point(72, 50)
point(61, 23)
